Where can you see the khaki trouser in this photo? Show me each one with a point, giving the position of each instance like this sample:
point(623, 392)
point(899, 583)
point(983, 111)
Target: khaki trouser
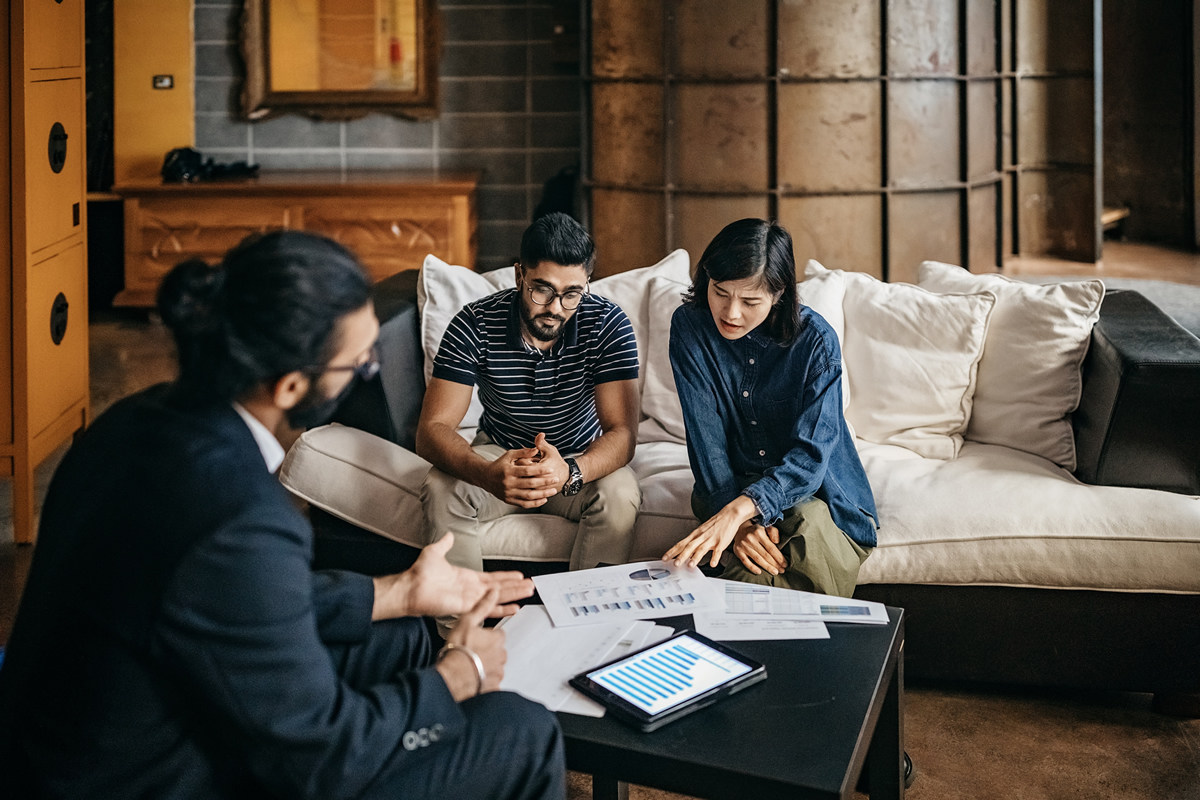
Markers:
point(820, 557)
point(606, 510)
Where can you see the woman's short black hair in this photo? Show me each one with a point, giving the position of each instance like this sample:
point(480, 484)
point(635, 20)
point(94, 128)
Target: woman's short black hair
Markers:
point(270, 307)
point(558, 238)
point(753, 248)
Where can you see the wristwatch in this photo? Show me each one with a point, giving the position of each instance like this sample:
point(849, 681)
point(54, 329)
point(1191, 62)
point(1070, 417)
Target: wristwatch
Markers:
point(575, 481)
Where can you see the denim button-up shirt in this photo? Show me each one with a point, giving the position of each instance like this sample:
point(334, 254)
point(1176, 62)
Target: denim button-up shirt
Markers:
point(766, 421)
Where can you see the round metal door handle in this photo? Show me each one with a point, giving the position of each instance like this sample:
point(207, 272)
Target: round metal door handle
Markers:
point(58, 147)
point(58, 318)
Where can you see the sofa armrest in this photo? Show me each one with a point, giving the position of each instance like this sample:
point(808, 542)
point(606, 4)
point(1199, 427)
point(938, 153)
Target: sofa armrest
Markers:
point(1137, 423)
point(390, 406)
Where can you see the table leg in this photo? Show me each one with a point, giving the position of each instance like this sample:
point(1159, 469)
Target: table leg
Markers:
point(886, 756)
point(606, 787)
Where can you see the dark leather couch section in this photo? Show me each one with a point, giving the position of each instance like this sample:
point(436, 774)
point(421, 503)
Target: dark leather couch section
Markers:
point(1138, 422)
point(390, 406)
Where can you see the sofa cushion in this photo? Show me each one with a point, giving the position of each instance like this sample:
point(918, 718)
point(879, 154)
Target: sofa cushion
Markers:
point(660, 399)
point(442, 291)
point(998, 516)
point(912, 358)
point(1029, 377)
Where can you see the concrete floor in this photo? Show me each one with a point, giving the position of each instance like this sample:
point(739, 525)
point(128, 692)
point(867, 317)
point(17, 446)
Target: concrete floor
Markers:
point(967, 742)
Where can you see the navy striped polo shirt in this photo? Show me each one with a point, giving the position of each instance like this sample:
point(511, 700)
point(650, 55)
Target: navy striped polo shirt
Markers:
point(526, 391)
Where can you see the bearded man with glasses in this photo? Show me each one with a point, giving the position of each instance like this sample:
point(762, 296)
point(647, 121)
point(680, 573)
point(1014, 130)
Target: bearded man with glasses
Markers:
point(557, 372)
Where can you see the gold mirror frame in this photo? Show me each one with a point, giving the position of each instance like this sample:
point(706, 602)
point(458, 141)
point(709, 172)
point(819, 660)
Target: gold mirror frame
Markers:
point(260, 102)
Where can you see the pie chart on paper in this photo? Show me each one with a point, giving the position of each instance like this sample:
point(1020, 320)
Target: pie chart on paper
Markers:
point(650, 574)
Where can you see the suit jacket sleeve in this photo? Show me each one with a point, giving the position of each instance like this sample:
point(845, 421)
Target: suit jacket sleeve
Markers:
point(342, 603)
point(239, 629)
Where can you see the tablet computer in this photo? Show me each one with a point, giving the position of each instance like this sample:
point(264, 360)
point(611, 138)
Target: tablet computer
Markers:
point(669, 680)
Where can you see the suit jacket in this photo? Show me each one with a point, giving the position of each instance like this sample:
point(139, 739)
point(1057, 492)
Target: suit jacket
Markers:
point(171, 640)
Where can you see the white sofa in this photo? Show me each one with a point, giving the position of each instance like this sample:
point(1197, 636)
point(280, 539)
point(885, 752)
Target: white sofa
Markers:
point(958, 507)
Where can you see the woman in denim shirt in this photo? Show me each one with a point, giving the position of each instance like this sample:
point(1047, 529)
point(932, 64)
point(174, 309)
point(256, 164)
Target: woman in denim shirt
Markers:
point(760, 381)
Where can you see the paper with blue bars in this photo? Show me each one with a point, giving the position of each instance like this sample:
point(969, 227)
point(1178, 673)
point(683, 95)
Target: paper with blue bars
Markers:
point(642, 590)
point(667, 675)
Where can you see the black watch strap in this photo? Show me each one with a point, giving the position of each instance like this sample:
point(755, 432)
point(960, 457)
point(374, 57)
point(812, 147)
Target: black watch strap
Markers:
point(574, 480)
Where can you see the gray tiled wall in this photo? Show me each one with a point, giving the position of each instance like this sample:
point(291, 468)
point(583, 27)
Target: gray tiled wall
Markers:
point(505, 109)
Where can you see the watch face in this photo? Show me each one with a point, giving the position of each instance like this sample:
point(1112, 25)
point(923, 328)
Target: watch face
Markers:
point(574, 481)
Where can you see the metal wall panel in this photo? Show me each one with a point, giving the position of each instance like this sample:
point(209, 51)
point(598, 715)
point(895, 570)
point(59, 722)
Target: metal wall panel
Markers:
point(842, 232)
point(720, 38)
point(922, 226)
point(983, 227)
point(701, 217)
point(923, 122)
point(628, 228)
point(627, 134)
point(830, 136)
point(721, 132)
point(981, 130)
point(922, 37)
point(627, 38)
point(829, 38)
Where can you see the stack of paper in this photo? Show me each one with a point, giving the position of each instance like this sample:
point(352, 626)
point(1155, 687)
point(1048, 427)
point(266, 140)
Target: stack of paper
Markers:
point(595, 616)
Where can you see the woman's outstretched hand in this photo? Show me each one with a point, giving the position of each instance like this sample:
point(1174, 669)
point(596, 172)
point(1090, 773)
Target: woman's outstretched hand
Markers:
point(716, 534)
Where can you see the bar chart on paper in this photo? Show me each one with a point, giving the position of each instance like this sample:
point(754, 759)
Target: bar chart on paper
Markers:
point(643, 590)
point(667, 675)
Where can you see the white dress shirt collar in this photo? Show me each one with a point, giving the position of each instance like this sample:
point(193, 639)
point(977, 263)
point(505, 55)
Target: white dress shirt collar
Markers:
point(268, 445)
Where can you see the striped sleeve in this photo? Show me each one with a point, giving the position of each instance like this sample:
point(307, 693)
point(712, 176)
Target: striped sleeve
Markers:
point(617, 350)
point(458, 354)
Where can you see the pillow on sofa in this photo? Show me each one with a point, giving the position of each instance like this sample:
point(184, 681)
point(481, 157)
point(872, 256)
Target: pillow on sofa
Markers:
point(824, 292)
point(660, 398)
point(1029, 376)
point(442, 291)
point(912, 357)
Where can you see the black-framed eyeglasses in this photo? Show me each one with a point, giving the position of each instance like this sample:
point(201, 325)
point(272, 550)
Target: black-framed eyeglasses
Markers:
point(365, 371)
point(544, 296)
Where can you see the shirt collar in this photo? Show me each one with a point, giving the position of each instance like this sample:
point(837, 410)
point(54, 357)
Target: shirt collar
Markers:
point(569, 337)
point(268, 445)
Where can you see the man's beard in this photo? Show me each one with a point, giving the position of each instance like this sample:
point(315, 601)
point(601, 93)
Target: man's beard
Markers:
point(538, 330)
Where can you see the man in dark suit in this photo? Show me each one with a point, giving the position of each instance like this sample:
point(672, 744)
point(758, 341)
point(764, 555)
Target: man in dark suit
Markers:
point(173, 640)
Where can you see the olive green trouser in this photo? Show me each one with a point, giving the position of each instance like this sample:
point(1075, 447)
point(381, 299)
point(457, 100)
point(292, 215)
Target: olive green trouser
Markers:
point(820, 557)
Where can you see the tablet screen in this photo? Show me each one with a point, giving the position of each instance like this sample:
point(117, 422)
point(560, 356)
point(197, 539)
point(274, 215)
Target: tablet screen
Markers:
point(664, 676)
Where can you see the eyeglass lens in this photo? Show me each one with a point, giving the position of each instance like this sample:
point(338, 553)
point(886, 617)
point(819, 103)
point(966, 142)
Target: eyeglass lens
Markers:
point(544, 296)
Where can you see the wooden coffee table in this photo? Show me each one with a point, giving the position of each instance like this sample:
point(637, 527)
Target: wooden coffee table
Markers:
point(805, 732)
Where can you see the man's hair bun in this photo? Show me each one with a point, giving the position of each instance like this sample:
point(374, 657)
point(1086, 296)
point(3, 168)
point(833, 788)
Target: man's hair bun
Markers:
point(189, 299)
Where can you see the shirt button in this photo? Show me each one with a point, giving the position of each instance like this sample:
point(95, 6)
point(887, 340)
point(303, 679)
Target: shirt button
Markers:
point(762, 452)
point(752, 361)
point(745, 394)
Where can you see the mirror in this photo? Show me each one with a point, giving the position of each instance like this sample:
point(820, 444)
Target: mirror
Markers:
point(340, 59)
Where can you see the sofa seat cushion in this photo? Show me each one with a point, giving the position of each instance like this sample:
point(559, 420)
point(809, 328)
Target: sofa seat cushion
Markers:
point(999, 516)
point(376, 485)
point(993, 516)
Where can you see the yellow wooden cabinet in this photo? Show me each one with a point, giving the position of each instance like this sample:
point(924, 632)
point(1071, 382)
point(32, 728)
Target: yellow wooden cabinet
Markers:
point(43, 241)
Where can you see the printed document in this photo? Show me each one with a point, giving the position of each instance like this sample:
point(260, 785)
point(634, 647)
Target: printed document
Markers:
point(722, 627)
point(755, 601)
point(642, 590)
point(542, 658)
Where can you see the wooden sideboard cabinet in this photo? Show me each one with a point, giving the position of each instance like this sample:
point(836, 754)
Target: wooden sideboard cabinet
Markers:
point(391, 219)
